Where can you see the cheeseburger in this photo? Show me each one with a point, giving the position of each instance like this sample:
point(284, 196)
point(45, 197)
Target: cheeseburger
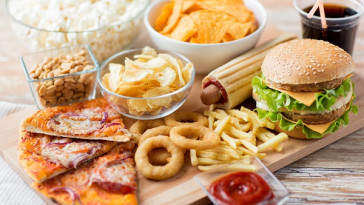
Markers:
point(305, 88)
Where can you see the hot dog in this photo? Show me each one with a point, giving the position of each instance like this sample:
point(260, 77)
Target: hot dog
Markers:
point(230, 84)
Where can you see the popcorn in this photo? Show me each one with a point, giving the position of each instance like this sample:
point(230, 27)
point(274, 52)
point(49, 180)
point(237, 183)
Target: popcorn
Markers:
point(105, 25)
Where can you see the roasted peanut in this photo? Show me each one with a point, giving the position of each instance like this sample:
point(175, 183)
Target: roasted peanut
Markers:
point(42, 90)
point(63, 90)
point(58, 82)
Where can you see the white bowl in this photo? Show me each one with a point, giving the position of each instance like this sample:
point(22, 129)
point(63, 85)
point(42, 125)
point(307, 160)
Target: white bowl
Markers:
point(206, 57)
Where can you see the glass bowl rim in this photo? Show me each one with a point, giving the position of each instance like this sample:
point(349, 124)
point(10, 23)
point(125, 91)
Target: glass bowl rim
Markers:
point(88, 48)
point(147, 2)
point(125, 52)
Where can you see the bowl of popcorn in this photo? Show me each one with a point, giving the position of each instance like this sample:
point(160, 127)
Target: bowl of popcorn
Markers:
point(61, 76)
point(107, 26)
point(209, 33)
point(146, 83)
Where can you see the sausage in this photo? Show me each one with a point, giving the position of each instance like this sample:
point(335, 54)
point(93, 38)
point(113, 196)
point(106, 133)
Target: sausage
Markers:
point(230, 84)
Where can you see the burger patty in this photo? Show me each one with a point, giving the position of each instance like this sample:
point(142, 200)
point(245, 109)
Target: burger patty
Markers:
point(312, 87)
point(315, 119)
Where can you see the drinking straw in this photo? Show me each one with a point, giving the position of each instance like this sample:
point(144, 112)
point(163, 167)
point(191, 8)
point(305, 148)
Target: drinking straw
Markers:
point(319, 4)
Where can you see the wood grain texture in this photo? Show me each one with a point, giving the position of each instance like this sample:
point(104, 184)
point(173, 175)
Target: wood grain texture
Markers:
point(323, 185)
point(181, 189)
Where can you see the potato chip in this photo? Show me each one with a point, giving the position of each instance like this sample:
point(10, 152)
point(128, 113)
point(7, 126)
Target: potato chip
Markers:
point(136, 90)
point(166, 77)
point(162, 19)
point(187, 72)
point(160, 102)
point(138, 105)
point(174, 17)
point(185, 29)
point(155, 63)
point(149, 52)
point(175, 64)
point(116, 72)
point(149, 75)
point(133, 73)
point(143, 58)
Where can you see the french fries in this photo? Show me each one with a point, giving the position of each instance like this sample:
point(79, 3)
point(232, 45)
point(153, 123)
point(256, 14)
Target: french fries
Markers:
point(243, 135)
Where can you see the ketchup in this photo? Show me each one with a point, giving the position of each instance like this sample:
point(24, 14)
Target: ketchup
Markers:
point(241, 188)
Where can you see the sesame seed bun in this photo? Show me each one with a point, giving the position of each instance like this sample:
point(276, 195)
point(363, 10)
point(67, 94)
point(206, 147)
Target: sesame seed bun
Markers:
point(308, 62)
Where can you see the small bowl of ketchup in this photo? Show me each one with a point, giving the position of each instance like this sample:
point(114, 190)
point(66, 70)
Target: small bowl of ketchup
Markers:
point(245, 186)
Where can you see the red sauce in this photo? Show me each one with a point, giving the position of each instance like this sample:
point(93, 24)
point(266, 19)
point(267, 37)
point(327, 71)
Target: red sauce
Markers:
point(241, 188)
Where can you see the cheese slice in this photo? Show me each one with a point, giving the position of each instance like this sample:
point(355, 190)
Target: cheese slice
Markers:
point(320, 128)
point(307, 98)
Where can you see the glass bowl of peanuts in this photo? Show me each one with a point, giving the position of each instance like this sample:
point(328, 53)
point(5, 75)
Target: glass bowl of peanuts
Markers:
point(61, 76)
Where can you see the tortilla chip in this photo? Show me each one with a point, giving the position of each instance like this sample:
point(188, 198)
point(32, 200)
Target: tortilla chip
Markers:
point(234, 8)
point(187, 5)
point(174, 17)
point(227, 38)
point(185, 29)
point(239, 30)
point(162, 19)
point(211, 26)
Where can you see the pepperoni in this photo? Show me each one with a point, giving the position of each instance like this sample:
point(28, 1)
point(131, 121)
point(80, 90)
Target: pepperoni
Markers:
point(72, 154)
point(73, 194)
point(115, 187)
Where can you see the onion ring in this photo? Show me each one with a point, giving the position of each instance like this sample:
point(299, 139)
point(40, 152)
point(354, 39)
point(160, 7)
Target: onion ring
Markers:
point(158, 156)
point(139, 127)
point(184, 118)
point(161, 130)
point(194, 137)
point(159, 172)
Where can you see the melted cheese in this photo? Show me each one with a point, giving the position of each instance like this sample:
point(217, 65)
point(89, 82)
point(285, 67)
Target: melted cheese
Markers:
point(117, 171)
point(320, 128)
point(307, 98)
point(71, 153)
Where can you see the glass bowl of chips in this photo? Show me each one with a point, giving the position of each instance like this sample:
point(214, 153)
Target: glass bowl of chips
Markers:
point(209, 33)
point(146, 83)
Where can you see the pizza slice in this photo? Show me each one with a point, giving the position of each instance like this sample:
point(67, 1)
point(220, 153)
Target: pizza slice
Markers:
point(93, 120)
point(43, 156)
point(108, 179)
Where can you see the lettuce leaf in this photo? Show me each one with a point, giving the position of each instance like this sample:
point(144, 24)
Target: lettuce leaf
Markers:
point(276, 99)
point(287, 125)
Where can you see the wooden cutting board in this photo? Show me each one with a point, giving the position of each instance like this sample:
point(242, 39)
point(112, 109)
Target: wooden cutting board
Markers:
point(181, 189)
